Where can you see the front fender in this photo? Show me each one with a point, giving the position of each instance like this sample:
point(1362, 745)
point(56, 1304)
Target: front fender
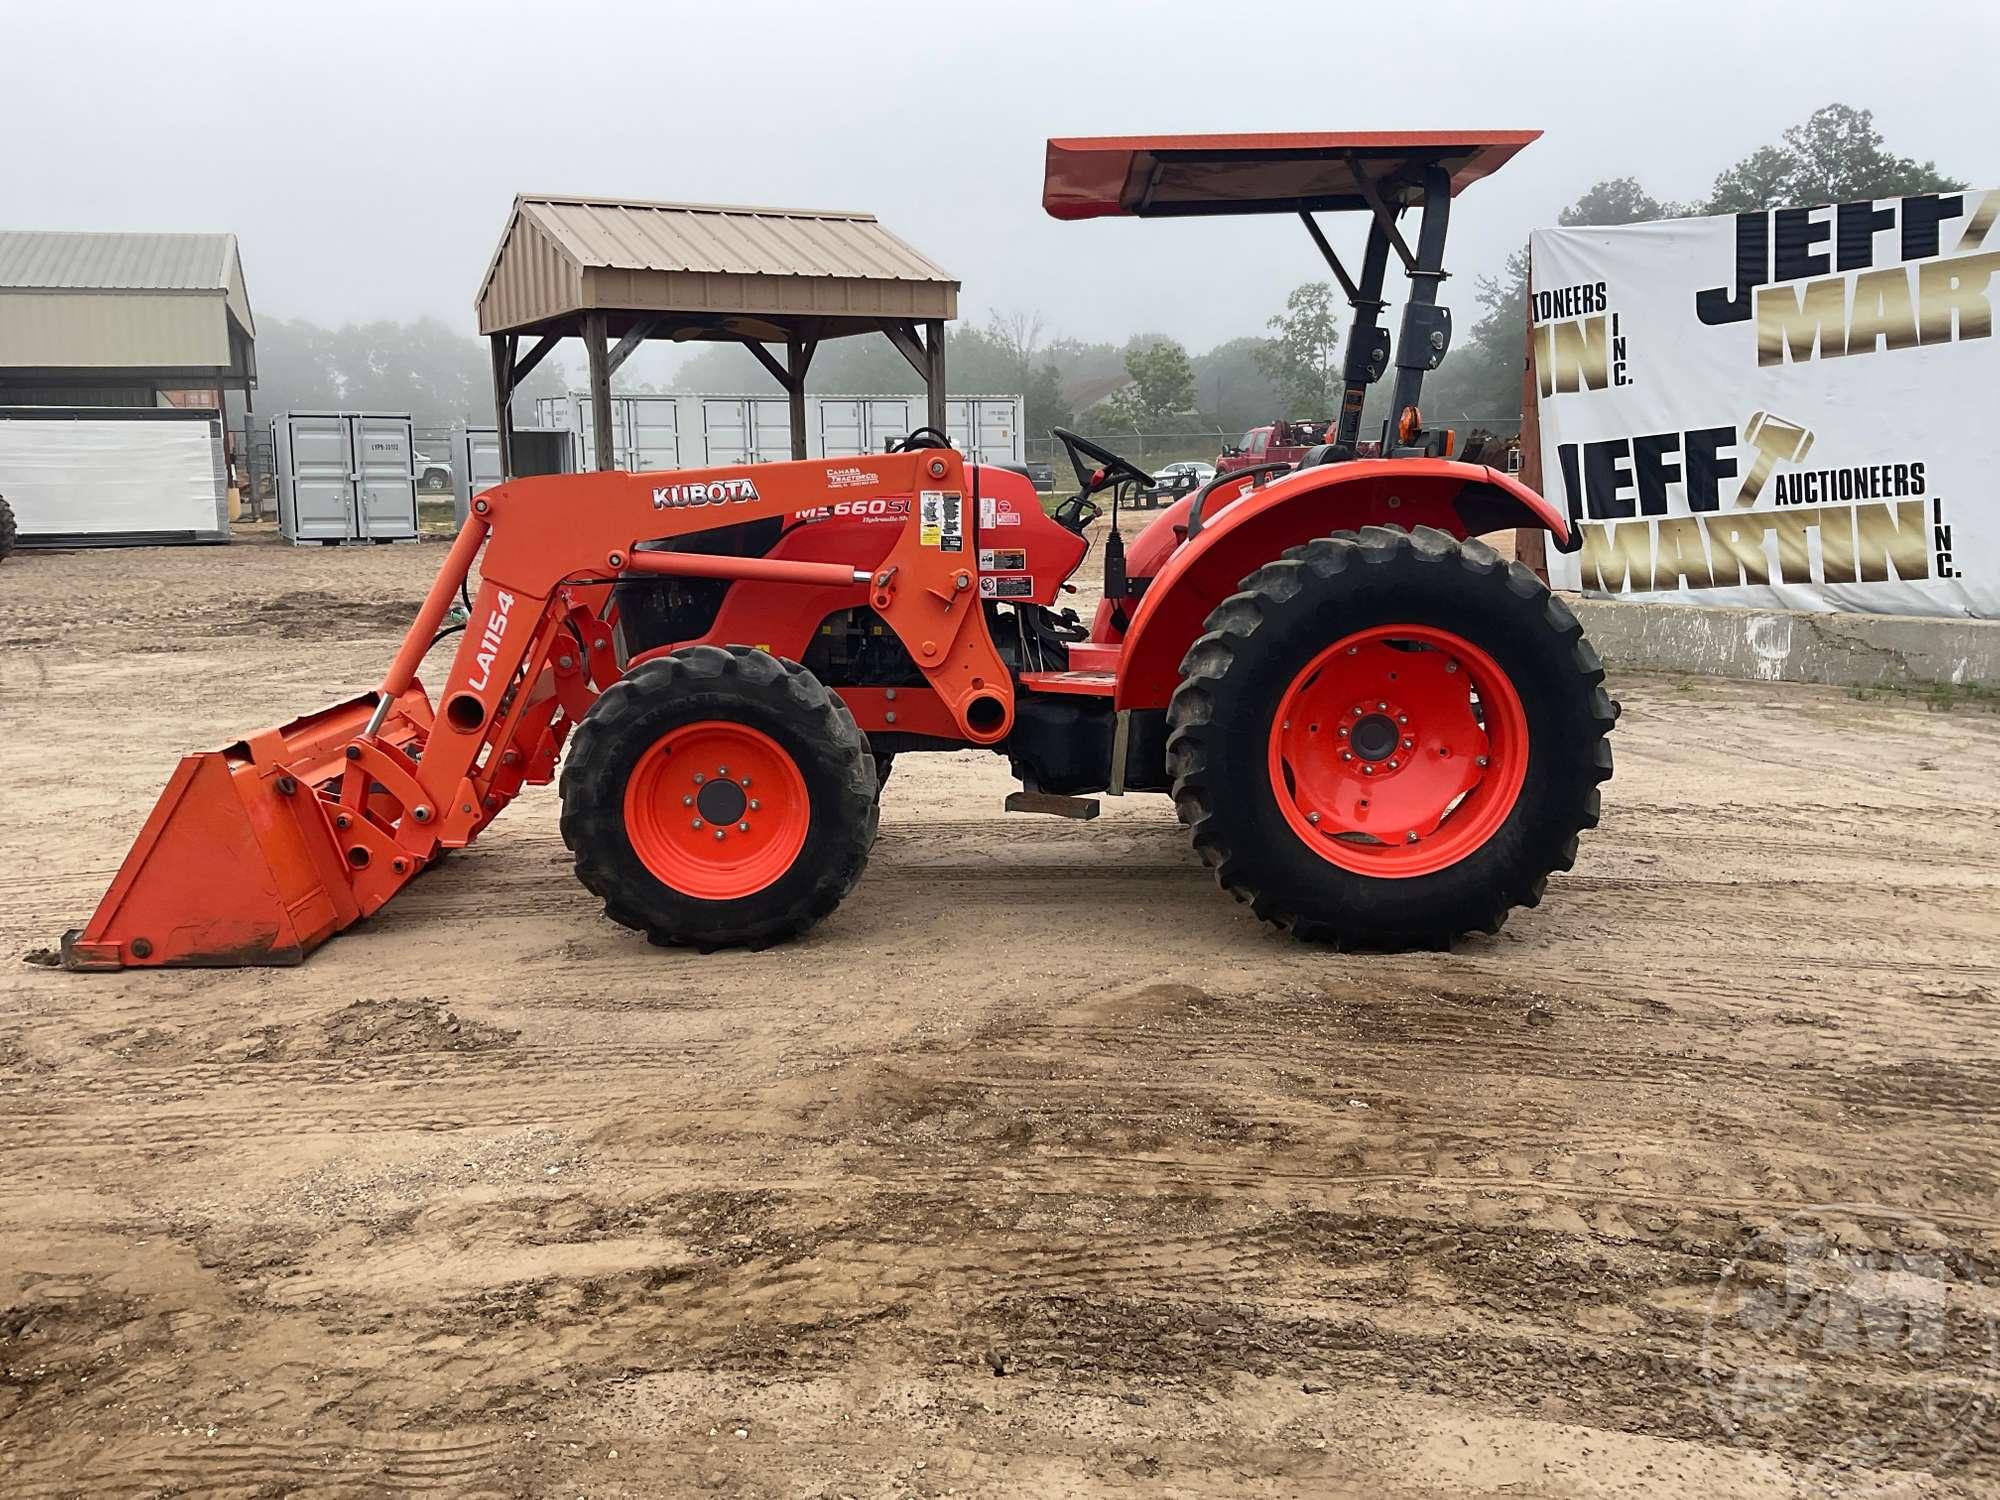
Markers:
point(1462, 499)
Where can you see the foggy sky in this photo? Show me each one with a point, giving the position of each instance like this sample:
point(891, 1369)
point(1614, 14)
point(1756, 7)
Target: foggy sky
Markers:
point(366, 153)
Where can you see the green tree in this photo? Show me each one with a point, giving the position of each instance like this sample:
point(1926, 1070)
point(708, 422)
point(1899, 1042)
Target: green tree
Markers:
point(1043, 402)
point(1232, 385)
point(1300, 360)
point(440, 376)
point(1162, 388)
point(1836, 155)
point(1618, 200)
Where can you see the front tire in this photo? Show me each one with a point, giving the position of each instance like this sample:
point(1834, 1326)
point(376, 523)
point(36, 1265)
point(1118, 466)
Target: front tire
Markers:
point(1389, 739)
point(719, 798)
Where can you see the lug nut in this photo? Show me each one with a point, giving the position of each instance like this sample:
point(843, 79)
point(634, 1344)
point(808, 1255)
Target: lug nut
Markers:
point(687, 801)
point(1347, 755)
point(1393, 764)
point(1409, 744)
point(1481, 761)
point(697, 822)
point(699, 778)
point(1412, 838)
point(753, 804)
point(1402, 718)
point(1367, 770)
point(718, 835)
point(722, 770)
point(1343, 730)
point(742, 827)
point(1451, 666)
point(746, 784)
point(1287, 725)
point(1380, 706)
point(1313, 818)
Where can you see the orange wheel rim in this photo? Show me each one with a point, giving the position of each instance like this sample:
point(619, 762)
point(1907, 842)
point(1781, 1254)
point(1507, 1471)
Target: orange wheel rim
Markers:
point(1398, 751)
point(717, 810)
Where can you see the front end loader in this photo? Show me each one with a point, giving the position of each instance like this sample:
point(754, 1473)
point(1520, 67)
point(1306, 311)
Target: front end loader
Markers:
point(1378, 733)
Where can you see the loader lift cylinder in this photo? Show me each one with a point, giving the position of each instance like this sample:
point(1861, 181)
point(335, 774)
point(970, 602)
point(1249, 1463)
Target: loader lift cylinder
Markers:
point(403, 670)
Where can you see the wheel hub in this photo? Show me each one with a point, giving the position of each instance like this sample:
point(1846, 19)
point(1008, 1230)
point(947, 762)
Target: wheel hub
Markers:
point(721, 801)
point(1374, 738)
point(716, 809)
point(1398, 750)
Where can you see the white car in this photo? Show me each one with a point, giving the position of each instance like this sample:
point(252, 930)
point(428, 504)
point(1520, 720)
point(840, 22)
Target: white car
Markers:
point(1202, 472)
point(433, 474)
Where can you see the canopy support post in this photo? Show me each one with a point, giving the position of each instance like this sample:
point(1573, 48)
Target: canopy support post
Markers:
point(594, 335)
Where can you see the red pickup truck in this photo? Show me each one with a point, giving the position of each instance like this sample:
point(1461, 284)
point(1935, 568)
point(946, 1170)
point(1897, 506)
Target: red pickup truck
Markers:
point(1275, 443)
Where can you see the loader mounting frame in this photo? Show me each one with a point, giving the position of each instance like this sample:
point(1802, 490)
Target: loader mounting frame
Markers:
point(257, 853)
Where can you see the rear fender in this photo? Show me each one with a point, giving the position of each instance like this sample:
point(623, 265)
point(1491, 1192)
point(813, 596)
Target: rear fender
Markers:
point(1462, 499)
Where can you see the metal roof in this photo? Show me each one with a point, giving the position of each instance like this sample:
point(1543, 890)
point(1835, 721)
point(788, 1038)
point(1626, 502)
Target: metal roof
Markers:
point(62, 260)
point(1283, 172)
point(562, 255)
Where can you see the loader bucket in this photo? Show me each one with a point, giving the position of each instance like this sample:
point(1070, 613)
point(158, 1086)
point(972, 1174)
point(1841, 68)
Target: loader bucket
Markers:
point(238, 863)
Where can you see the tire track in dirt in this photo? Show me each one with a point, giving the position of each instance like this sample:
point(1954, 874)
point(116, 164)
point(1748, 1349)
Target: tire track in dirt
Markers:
point(1036, 1093)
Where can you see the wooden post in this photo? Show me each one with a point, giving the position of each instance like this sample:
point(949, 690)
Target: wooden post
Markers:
point(595, 335)
point(934, 375)
point(1531, 545)
point(798, 355)
point(503, 399)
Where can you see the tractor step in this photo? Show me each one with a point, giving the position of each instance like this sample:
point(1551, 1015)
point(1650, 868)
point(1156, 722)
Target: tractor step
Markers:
point(1080, 808)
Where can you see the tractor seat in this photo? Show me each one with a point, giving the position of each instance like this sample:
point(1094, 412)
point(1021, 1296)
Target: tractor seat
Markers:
point(1320, 454)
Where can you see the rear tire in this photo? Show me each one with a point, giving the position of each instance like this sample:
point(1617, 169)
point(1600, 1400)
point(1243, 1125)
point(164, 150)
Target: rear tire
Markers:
point(652, 756)
point(1248, 782)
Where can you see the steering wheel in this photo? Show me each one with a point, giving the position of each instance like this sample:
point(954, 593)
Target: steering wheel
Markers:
point(1107, 467)
point(922, 437)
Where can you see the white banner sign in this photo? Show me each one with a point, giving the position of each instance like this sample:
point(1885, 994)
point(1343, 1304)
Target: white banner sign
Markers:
point(1793, 408)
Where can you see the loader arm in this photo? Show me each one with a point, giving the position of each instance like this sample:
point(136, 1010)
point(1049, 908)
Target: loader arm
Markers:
point(318, 823)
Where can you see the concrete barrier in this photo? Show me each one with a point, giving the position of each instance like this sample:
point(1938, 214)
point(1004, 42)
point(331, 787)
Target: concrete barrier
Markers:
point(1772, 645)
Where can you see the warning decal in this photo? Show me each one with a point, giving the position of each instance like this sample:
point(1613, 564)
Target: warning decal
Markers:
point(951, 528)
point(1006, 586)
point(1003, 559)
point(930, 519)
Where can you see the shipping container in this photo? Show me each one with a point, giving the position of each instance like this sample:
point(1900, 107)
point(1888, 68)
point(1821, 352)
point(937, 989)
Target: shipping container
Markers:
point(537, 450)
point(112, 476)
point(476, 470)
point(653, 432)
point(345, 476)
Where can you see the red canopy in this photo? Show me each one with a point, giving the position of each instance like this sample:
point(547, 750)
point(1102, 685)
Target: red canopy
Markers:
point(1156, 176)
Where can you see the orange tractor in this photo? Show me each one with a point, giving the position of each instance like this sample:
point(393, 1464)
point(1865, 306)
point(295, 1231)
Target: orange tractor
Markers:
point(1377, 732)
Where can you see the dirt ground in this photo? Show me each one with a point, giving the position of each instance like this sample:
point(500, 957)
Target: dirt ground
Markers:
point(1039, 1170)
